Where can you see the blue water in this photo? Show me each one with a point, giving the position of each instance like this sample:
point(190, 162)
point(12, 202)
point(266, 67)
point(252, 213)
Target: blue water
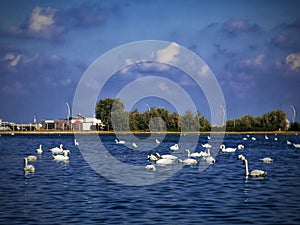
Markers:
point(72, 192)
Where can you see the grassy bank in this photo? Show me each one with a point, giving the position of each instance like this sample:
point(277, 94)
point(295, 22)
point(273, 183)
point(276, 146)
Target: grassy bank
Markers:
point(144, 132)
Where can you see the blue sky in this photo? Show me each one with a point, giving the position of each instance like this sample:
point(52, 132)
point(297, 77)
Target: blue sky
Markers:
point(252, 47)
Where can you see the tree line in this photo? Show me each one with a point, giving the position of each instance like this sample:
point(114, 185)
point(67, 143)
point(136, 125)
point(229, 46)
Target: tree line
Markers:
point(112, 113)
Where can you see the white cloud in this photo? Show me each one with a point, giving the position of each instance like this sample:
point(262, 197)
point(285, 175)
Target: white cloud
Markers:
point(204, 70)
point(41, 18)
point(12, 59)
point(168, 54)
point(257, 61)
point(293, 61)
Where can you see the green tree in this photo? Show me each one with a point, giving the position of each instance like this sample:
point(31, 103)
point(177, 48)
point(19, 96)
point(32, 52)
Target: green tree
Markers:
point(203, 122)
point(190, 122)
point(108, 107)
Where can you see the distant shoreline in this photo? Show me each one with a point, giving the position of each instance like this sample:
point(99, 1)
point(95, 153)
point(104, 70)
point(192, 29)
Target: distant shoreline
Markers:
point(146, 132)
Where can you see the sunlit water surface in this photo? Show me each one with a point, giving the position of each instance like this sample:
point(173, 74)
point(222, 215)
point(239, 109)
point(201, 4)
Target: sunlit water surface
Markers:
point(72, 192)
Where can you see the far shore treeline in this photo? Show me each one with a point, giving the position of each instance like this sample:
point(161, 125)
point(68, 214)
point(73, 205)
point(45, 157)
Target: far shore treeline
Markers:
point(113, 115)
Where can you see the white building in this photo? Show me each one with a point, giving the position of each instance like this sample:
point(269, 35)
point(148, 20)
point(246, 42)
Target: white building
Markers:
point(86, 123)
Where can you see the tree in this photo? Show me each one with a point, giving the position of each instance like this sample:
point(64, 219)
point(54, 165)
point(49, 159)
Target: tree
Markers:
point(204, 123)
point(190, 122)
point(109, 110)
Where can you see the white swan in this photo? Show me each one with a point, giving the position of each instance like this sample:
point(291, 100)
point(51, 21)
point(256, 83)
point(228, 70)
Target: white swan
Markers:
point(296, 145)
point(267, 160)
point(245, 139)
point(31, 158)
point(253, 138)
point(57, 150)
point(253, 173)
point(206, 145)
point(224, 149)
point(288, 142)
point(76, 142)
point(134, 145)
point(28, 168)
point(209, 158)
point(157, 141)
point(266, 137)
point(195, 154)
point(39, 150)
point(172, 157)
point(189, 161)
point(175, 147)
point(119, 142)
point(240, 147)
point(208, 137)
point(153, 157)
point(150, 167)
point(63, 157)
point(164, 161)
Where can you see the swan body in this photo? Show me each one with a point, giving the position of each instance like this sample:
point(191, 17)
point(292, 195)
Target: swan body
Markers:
point(253, 173)
point(296, 145)
point(224, 149)
point(189, 161)
point(206, 145)
point(195, 154)
point(208, 137)
point(76, 142)
point(134, 145)
point(267, 160)
point(240, 147)
point(266, 137)
point(31, 158)
point(210, 159)
point(175, 147)
point(63, 157)
point(119, 142)
point(39, 150)
point(164, 161)
point(172, 157)
point(150, 167)
point(157, 141)
point(57, 150)
point(28, 168)
point(275, 139)
point(245, 139)
point(288, 142)
point(253, 138)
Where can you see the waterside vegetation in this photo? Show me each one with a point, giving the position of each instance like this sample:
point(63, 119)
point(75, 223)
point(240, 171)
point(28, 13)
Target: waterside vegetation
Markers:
point(112, 113)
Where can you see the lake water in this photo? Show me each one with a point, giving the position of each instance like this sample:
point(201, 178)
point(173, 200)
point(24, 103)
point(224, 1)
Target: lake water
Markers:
point(73, 192)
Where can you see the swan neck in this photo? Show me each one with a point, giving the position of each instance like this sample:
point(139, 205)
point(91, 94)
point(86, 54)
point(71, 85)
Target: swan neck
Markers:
point(25, 161)
point(208, 151)
point(189, 153)
point(247, 169)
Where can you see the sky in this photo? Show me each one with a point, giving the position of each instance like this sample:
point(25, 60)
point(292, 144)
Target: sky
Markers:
point(251, 47)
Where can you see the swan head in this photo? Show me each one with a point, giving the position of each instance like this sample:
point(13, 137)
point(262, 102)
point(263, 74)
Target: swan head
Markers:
point(240, 146)
point(66, 152)
point(222, 147)
point(157, 155)
point(241, 157)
